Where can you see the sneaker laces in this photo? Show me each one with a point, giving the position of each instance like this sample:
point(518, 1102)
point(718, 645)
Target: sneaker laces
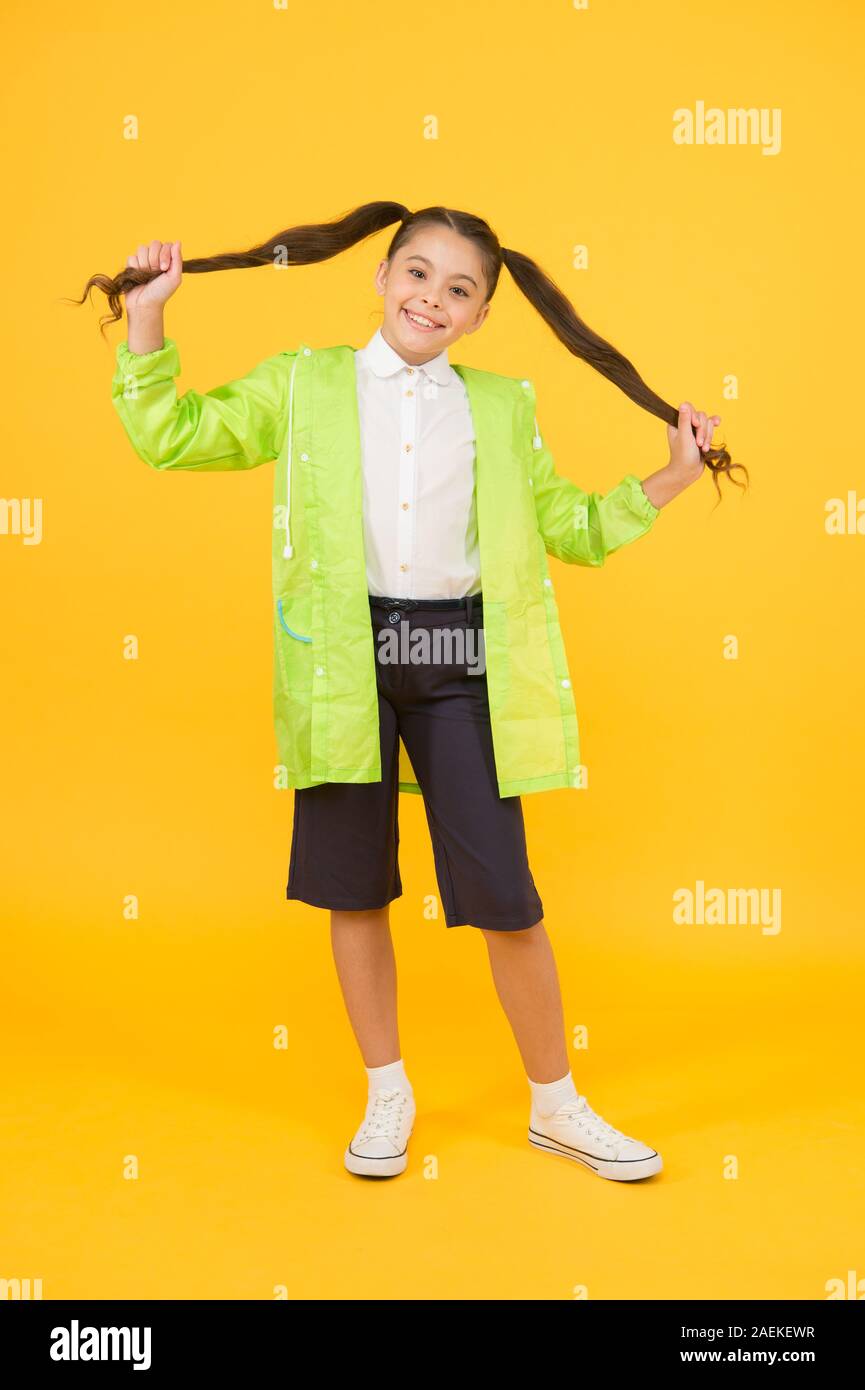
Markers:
point(384, 1114)
point(586, 1119)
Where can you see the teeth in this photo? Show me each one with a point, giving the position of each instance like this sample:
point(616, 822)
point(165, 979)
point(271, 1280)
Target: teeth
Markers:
point(425, 323)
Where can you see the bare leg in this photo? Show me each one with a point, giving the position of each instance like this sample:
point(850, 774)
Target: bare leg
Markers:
point(527, 983)
point(364, 959)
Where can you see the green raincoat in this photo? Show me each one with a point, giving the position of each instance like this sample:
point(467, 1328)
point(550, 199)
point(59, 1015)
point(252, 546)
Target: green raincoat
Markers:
point(302, 405)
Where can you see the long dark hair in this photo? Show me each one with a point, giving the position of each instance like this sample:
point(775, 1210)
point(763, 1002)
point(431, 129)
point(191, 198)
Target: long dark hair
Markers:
point(318, 241)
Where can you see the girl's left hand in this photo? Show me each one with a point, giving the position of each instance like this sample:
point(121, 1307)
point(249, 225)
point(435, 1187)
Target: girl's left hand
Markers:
point(685, 448)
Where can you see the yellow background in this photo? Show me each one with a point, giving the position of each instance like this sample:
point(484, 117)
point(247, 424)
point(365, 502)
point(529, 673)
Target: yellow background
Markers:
point(153, 777)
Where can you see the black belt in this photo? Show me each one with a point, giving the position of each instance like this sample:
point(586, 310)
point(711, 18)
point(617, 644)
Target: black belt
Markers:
point(379, 601)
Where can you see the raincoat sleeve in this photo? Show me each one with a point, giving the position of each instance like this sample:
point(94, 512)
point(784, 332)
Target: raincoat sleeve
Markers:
point(239, 425)
point(583, 528)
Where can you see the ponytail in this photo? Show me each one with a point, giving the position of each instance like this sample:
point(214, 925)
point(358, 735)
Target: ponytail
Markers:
point(304, 245)
point(583, 342)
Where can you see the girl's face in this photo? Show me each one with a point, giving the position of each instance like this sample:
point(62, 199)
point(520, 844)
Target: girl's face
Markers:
point(433, 289)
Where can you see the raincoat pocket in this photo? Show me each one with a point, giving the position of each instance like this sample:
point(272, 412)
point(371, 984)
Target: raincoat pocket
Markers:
point(294, 640)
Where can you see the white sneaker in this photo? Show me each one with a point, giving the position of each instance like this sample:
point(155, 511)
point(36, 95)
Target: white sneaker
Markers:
point(379, 1149)
point(575, 1131)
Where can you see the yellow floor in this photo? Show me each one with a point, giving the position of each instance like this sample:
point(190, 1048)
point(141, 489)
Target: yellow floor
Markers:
point(241, 1192)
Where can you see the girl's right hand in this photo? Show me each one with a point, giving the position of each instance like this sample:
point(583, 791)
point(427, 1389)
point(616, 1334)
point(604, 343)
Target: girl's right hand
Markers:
point(165, 256)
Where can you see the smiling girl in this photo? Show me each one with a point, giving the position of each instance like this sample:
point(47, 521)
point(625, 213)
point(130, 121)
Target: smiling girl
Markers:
point(413, 490)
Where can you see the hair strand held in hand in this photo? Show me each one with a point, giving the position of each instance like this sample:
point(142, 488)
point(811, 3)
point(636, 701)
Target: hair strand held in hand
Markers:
point(309, 243)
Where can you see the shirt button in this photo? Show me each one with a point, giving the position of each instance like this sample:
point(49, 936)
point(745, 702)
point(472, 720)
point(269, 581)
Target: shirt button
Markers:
point(319, 670)
point(566, 684)
point(407, 448)
point(409, 393)
point(410, 371)
point(304, 458)
point(403, 567)
point(405, 506)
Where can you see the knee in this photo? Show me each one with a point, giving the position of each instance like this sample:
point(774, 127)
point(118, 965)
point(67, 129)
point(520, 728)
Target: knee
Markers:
point(522, 934)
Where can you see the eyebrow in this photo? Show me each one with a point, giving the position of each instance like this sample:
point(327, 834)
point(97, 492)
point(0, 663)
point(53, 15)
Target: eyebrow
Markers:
point(426, 261)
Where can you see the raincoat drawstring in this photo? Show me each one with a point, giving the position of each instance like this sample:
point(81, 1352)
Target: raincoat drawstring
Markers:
point(288, 550)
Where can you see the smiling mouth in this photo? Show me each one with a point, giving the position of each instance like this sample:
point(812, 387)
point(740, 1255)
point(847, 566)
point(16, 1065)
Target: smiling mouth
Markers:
point(428, 327)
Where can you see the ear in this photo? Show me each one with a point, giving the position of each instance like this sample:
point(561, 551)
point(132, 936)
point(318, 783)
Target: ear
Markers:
point(480, 318)
point(381, 276)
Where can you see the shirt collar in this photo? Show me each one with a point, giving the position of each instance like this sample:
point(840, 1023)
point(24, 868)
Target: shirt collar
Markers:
point(381, 359)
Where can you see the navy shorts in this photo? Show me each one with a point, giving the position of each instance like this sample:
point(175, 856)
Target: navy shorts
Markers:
point(345, 837)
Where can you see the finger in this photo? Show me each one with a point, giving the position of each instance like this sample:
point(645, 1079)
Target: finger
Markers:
point(708, 440)
point(153, 254)
point(701, 428)
point(143, 258)
point(165, 255)
point(684, 415)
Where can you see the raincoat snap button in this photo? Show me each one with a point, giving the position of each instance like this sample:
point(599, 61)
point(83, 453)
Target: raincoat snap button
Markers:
point(527, 383)
point(319, 670)
point(307, 351)
point(566, 684)
point(304, 458)
point(548, 583)
point(313, 564)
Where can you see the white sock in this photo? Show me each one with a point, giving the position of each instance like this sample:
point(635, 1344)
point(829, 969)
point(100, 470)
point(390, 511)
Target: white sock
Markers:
point(392, 1074)
point(549, 1095)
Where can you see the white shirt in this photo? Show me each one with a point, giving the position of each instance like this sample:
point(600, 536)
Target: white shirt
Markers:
point(418, 463)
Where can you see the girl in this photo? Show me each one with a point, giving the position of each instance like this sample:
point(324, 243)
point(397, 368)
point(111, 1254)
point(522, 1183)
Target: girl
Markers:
point(415, 500)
